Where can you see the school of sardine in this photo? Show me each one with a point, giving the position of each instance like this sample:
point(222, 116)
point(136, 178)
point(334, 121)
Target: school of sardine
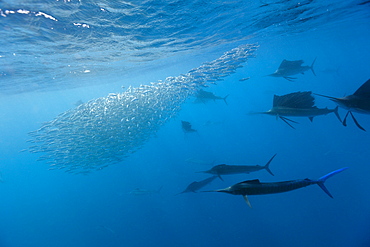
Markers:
point(105, 130)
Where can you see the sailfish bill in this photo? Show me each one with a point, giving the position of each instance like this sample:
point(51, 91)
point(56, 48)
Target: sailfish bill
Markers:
point(359, 102)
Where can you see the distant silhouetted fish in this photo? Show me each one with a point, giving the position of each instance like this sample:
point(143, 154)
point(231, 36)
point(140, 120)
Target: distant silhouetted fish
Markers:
point(141, 192)
point(238, 169)
point(204, 96)
point(255, 187)
point(105, 228)
point(195, 186)
point(288, 68)
point(244, 79)
point(186, 126)
point(298, 104)
point(358, 102)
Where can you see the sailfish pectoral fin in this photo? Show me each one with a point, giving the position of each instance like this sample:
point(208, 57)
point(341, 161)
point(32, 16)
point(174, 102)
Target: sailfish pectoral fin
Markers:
point(355, 120)
point(286, 121)
point(289, 78)
point(247, 200)
point(290, 120)
point(345, 119)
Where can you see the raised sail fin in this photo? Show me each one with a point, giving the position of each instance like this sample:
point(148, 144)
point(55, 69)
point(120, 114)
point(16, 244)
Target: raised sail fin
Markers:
point(364, 90)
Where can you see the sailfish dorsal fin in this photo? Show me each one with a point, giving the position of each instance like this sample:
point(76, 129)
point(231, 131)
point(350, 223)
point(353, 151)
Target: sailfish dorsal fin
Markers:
point(286, 64)
point(364, 90)
point(254, 181)
point(295, 100)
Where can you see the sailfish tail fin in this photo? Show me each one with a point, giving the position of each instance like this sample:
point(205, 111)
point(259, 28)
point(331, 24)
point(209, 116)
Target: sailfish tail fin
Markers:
point(224, 98)
point(267, 166)
point(337, 114)
point(320, 182)
point(312, 66)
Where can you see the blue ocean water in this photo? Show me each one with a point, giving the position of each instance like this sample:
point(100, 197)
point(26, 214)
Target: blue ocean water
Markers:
point(58, 54)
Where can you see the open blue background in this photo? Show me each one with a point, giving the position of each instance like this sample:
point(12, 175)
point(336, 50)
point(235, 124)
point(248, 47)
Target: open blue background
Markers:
point(52, 208)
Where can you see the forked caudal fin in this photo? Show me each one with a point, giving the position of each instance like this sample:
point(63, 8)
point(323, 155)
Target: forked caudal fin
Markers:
point(312, 66)
point(224, 98)
point(267, 166)
point(320, 182)
point(337, 114)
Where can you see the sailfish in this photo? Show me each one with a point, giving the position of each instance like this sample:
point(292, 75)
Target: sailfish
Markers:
point(288, 68)
point(298, 104)
point(224, 169)
point(197, 185)
point(358, 102)
point(203, 96)
point(186, 127)
point(255, 187)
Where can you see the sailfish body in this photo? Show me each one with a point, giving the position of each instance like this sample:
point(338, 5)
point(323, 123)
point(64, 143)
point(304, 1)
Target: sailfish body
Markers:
point(203, 96)
point(354, 103)
point(197, 185)
point(255, 187)
point(299, 112)
point(298, 104)
point(357, 102)
point(238, 169)
point(288, 68)
point(186, 127)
